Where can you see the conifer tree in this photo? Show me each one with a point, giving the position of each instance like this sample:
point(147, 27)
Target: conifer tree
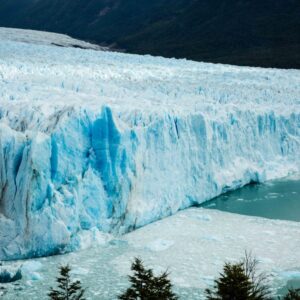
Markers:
point(293, 294)
point(146, 286)
point(240, 282)
point(67, 290)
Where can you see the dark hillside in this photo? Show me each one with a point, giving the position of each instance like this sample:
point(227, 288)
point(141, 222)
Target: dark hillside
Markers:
point(243, 32)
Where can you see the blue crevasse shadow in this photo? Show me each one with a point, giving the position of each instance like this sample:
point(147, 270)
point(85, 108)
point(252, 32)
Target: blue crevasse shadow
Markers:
point(105, 142)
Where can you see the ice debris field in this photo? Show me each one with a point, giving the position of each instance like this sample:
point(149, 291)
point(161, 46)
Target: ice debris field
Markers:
point(193, 245)
point(95, 143)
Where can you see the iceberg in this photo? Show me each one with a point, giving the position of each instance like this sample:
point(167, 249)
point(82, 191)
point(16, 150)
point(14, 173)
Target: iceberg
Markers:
point(95, 143)
point(10, 274)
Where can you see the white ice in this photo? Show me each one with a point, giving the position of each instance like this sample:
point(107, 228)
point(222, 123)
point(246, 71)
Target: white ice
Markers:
point(192, 245)
point(45, 38)
point(95, 142)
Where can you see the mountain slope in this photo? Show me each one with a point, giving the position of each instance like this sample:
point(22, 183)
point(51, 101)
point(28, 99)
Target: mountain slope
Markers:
point(257, 33)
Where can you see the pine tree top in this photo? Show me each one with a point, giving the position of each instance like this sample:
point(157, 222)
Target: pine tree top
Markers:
point(66, 289)
point(146, 286)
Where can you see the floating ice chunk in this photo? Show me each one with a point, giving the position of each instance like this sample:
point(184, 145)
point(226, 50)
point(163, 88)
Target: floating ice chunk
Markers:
point(273, 195)
point(211, 238)
point(269, 232)
point(34, 276)
point(159, 245)
point(265, 260)
point(205, 218)
point(80, 271)
point(183, 282)
point(93, 237)
point(10, 274)
point(30, 268)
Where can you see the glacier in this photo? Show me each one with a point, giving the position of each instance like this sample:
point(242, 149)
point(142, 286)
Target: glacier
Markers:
point(94, 143)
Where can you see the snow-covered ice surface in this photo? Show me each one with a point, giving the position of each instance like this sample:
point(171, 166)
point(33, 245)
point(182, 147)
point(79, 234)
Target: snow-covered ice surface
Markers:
point(45, 38)
point(193, 245)
point(96, 142)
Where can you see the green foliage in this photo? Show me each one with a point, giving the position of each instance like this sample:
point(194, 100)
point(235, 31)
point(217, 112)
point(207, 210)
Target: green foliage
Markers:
point(233, 284)
point(240, 282)
point(146, 286)
point(293, 294)
point(67, 290)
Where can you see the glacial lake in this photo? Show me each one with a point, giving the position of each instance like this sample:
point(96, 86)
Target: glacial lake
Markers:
point(278, 199)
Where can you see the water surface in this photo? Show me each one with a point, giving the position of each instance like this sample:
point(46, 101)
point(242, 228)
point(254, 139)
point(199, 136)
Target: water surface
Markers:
point(278, 199)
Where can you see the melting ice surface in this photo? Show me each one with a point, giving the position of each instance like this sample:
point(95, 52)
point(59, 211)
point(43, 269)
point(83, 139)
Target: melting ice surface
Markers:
point(94, 143)
point(278, 199)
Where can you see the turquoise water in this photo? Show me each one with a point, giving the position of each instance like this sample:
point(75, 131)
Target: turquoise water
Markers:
point(279, 199)
point(291, 284)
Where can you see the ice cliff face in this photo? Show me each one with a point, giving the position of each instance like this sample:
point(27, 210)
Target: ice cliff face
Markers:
point(98, 142)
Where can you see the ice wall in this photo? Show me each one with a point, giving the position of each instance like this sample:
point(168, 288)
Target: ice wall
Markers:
point(94, 143)
point(94, 172)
